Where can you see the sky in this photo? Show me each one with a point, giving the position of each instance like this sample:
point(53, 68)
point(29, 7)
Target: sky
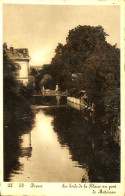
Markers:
point(41, 27)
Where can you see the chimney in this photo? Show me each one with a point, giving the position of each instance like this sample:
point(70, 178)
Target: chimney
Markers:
point(5, 45)
point(11, 49)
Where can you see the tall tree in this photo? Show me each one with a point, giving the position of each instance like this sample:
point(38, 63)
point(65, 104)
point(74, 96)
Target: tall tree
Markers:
point(87, 62)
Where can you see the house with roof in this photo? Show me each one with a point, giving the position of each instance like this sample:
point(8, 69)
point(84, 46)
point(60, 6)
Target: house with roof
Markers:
point(20, 56)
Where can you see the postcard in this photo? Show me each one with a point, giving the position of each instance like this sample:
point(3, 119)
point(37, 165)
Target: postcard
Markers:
point(62, 98)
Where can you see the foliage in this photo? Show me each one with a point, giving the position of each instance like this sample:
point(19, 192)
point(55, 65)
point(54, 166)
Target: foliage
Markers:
point(87, 62)
point(16, 95)
point(17, 112)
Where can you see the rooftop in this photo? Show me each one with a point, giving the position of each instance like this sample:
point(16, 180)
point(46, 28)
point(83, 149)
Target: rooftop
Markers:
point(17, 53)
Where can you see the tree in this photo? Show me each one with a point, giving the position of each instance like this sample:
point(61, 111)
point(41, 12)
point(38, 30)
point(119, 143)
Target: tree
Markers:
point(95, 65)
point(16, 95)
point(18, 116)
point(70, 58)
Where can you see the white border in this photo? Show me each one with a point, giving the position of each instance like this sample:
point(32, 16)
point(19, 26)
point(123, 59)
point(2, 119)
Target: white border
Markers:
point(1, 95)
point(54, 189)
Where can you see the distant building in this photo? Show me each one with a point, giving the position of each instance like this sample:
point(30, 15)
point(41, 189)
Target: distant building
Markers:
point(36, 67)
point(20, 56)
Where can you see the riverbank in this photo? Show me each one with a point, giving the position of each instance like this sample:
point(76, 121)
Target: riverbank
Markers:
point(80, 102)
point(76, 103)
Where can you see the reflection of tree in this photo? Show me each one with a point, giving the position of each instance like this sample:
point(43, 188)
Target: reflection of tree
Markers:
point(48, 100)
point(90, 144)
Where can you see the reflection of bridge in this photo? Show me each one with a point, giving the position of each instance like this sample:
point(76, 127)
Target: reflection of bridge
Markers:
point(48, 100)
point(51, 95)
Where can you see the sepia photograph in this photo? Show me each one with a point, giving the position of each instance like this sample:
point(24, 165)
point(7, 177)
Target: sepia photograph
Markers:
point(61, 93)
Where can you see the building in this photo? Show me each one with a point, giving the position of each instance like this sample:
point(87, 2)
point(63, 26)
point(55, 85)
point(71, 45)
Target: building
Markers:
point(38, 67)
point(20, 56)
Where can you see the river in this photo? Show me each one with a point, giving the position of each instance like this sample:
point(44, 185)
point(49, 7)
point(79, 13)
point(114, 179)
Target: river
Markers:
point(65, 145)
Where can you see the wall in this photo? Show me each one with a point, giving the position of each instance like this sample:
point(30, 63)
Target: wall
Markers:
point(74, 100)
point(23, 72)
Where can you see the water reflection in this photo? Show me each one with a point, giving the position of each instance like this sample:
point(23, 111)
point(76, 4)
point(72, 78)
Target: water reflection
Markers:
point(89, 143)
point(25, 145)
point(50, 162)
point(16, 144)
point(49, 100)
point(66, 144)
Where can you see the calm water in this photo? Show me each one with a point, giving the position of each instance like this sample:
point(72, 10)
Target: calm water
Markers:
point(65, 144)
